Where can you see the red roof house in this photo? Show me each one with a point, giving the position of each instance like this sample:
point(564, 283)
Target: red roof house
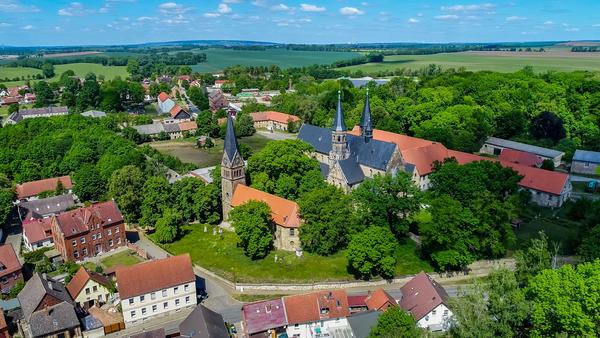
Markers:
point(284, 212)
point(316, 306)
point(380, 300)
point(10, 268)
point(263, 316)
point(34, 188)
point(421, 295)
point(520, 157)
point(163, 96)
point(37, 232)
point(179, 113)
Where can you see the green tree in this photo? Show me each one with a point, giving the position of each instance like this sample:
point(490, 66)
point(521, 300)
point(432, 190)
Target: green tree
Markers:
point(198, 97)
point(19, 285)
point(589, 249)
point(207, 204)
point(89, 185)
point(328, 220)
point(156, 198)
point(548, 125)
point(43, 93)
point(254, 226)
point(13, 108)
point(372, 252)
point(167, 226)
point(387, 200)
point(395, 323)
point(548, 165)
point(125, 186)
point(244, 125)
point(7, 196)
point(533, 259)
point(183, 193)
point(48, 70)
point(89, 95)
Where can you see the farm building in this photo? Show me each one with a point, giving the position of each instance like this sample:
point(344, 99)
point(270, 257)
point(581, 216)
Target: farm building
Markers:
point(494, 146)
point(586, 162)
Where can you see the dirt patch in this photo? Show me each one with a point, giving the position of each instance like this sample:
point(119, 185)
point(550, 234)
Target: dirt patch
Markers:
point(60, 55)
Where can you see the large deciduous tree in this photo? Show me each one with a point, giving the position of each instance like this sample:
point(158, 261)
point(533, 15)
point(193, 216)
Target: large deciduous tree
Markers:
point(372, 252)
point(548, 125)
point(89, 184)
point(254, 226)
point(395, 323)
point(167, 226)
point(156, 198)
point(125, 186)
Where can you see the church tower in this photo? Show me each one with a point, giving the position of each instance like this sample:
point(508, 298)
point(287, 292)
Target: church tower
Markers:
point(339, 147)
point(232, 168)
point(366, 124)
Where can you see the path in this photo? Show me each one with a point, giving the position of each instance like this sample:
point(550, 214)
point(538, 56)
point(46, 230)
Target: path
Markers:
point(276, 135)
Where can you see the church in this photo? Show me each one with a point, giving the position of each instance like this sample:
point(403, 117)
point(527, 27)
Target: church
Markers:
point(347, 159)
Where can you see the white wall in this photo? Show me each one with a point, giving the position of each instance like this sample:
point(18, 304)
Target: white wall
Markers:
point(38, 245)
point(309, 330)
point(438, 317)
point(87, 293)
point(170, 297)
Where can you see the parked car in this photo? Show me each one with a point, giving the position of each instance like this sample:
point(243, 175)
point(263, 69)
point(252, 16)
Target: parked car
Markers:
point(591, 186)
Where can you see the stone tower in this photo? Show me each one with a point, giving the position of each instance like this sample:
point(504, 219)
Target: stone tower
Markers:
point(366, 124)
point(339, 147)
point(232, 168)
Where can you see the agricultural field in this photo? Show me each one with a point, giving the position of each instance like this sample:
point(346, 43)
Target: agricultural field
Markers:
point(80, 69)
point(556, 60)
point(218, 59)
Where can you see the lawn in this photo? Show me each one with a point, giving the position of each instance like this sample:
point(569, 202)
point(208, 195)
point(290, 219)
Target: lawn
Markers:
point(186, 150)
point(80, 69)
point(221, 255)
point(554, 224)
point(218, 59)
point(124, 258)
point(540, 62)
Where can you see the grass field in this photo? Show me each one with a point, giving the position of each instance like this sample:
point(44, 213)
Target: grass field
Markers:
point(554, 224)
point(186, 150)
point(221, 255)
point(541, 62)
point(80, 69)
point(125, 258)
point(218, 59)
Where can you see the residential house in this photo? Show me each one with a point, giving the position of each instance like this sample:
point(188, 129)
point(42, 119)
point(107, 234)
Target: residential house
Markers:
point(48, 310)
point(10, 268)
point(89, 231)
point(28, 191)
point(175, 130)
point(155, 288)
point(362, 323)
point(219, 83)
point(37, 233)
point(4, 330)
point(188, 128)
point(262, 319)
point(16, 117)
point(91, 327)
point(586, 162)
point(165, 104)
point(88, 288)
point(112, 321)
point(203, 323)
point(520, 157)
point(285, 214)
point(45, 207)
point(93, 113)
point(8, 100)
point(217, 100)
point(494, 146)
point(273, 120)
point(29, 98)
point(427, 301)
point(317, 314)
point(380, 300)
point(179, 114)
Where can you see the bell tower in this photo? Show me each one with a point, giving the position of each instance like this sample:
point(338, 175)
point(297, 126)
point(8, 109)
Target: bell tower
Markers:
point(339, 147)
point(232, 168)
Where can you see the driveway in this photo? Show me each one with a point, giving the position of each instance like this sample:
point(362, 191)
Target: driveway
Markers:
point(276, 135)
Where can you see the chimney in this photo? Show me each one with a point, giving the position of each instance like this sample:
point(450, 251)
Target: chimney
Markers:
point(50, 285)
point(44, 276)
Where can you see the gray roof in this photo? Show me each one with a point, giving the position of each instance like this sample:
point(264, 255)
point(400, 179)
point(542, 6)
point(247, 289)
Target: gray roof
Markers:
point(338, 121)
point(231, 146)
point(16, 117)
point(56, 318)
point(90, 322)
point(586, 156)
point(35, 290)
point(157, 333)
point(319, 138)
point(171, 127)
point(361, 323)
point(366, 124)
point(44, 111)
point(543, 152)
point(94, 113)
point(150, 129)
point(352, 171)
point(50, 205)
point(203, 323)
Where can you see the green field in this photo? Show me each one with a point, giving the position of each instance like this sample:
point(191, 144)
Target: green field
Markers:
point(218, 59)
point(125, 258)
point(220, 254)
point(555, 225)
point(80, 69)
point(541, 62)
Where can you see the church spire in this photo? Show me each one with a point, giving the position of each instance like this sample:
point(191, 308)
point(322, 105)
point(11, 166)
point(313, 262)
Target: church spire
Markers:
point(366, 124)
point(231, 146)
point(232, 168)
point(338, 121)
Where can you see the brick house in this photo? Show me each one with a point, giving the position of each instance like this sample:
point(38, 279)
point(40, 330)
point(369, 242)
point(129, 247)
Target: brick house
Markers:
point(217, 100)
point(10, 268)
point(89, 231)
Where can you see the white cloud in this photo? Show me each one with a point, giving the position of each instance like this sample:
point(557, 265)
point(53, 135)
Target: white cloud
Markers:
point(572, 29)
point(311, 8)
point(351, 11)
point(15, 6)
point(212, 15)
point(280, 8)
point(27, 27)
point(291, 22)
point(172, 8)
point(74, 9)
point(469, 8)
point(515, 18)
point(548, 23)
point(5, 24)
point(446, 17)
point(596, 25)
point(231, 1)
point(224, 9)
point(413, 20)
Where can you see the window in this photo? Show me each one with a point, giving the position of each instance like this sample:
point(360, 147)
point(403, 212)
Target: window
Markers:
point(154, 308)
point(109, 232)
point(164, 293)
point(130, 301)
point(176, 302)
point(74, 243)
point(99, 236)
point(110, 242)
point(87, 291)
point(117, 230)
point(445, 312)
point(586, 164)
point(153, 295)
point(187, 299)
point(165, 305)
point(292, 232)
point(84, 251)
point(143, 311)
point(82, 239)
point(175, 289)
point(433, 312)
point(132, 313)
point(76, 254)
point(142, 298)
point(94, 237)
point(186, 287)
point(95, 288)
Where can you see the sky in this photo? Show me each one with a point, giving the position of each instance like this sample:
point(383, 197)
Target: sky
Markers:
point(55, 22)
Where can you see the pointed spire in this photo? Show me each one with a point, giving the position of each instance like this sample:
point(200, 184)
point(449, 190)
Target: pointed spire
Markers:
point(231, 146)
point(338, 122)
point(366, 125)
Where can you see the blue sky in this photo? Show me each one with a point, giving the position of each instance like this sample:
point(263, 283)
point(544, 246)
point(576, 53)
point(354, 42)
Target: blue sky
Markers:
point(52, 22)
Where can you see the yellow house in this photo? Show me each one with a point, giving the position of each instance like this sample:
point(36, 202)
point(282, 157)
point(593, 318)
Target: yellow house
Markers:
point(89, 288)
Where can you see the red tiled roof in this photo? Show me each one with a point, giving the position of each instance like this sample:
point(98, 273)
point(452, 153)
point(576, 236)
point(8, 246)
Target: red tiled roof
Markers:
point(284, 212)
point(176, 110)
point(81, 278)
point(37, 230)
point(184, 78)
point(519, 157)
point(380, 300)
point(163, 96)
point(221, 81)
point(262, 316)
point(154, 275)
point(187, 126)
point(80, 220)
point(421, 295)
point(424, 157)
point(8, 260)
point(311, 307)
point(357, 301)
point(34, 188)
point(10, 100)
point(274, 116)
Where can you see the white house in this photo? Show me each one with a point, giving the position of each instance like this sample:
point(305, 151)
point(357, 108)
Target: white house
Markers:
point(156, 288)
point(165, 104)
point(427, 301)
point(37, 233)
point(89, 288)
